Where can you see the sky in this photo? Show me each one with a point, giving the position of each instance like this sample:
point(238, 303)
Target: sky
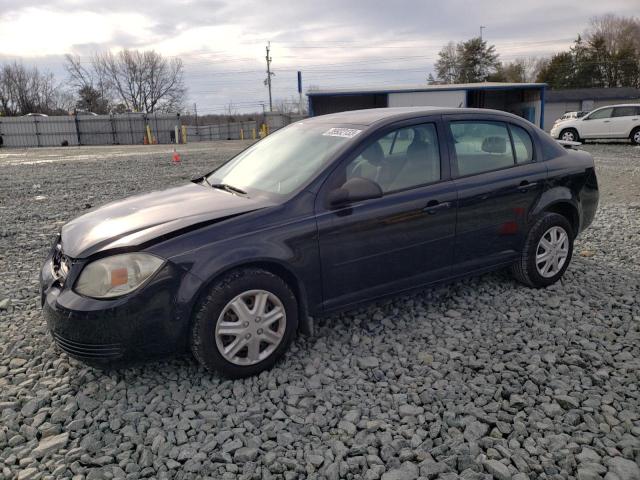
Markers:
point(334, 43)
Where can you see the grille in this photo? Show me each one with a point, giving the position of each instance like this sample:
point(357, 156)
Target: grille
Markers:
point(89, 351)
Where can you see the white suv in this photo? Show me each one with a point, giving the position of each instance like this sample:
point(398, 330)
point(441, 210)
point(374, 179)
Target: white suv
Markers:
point(615, 121)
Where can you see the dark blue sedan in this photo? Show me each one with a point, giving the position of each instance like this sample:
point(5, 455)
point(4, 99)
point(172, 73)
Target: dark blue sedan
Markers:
point(322, 215)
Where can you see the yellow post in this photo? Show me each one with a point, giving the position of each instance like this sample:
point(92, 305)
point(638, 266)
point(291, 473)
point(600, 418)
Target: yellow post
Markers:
point(266, 129)
point(241, 134)
point(184, 134)
point(149, 136)
point(253, 133)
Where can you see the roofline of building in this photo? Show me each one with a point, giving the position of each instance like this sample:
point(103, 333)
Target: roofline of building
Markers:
point(428, 88)
point(580, 94)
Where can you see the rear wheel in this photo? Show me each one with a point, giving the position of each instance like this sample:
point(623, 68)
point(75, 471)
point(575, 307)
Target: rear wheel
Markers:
point(245, 323)
point(635, 136)
point(569, 135)
point(547, 252)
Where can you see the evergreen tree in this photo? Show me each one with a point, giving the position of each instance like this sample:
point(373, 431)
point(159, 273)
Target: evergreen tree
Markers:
point(467, 62)
point(558, 72)
point(477, 60)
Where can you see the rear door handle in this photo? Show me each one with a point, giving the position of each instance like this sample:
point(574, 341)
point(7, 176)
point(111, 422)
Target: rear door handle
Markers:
point(606, 121)
point(526, 185)
point(435, 206)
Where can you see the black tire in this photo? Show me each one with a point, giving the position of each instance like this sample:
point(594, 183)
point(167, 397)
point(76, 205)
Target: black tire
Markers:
point(635, 136)
point(525, 269)
point(207, 315)
point(569, 132)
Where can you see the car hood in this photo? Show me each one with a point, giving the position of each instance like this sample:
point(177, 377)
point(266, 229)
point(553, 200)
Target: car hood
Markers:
point(566, 122)
point(143, 218)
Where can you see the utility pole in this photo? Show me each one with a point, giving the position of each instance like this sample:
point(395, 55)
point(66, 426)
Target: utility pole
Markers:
point(195, 110)
point(482, 27)
point(299, 92)
point(267, 82)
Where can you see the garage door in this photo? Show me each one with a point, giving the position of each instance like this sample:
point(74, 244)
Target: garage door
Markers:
point(449, 98)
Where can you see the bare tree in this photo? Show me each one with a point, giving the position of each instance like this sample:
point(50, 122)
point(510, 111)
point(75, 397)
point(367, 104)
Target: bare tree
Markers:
point(448, 64)
point(616, 32)
point(142, 81)
point(91, 84)
point(520, 70)
point(28, 90)
point(612, 48)
point(289, 106)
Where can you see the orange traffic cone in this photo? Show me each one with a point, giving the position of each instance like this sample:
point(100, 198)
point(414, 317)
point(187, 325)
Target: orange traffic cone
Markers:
point(176, 157)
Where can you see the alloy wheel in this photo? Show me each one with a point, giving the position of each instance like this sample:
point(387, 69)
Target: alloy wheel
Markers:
point(636, 137)
point(568, 136)
point(250, 327)
point(552, 251)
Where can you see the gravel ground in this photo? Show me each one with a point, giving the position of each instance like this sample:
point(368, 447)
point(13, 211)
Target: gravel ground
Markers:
point(480, 379)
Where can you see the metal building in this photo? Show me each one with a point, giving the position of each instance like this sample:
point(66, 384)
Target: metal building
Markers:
point(523, 99)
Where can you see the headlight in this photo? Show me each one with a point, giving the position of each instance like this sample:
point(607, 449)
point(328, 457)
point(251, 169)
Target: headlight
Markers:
point(117, 275)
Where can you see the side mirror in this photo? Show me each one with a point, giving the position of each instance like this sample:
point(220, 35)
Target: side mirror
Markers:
point(354, 190)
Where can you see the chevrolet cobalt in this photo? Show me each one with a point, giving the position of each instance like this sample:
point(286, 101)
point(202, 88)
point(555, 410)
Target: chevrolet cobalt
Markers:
point(322, 215)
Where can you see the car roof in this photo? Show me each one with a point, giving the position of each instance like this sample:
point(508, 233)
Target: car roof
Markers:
point(618, 105)
point(371, 116)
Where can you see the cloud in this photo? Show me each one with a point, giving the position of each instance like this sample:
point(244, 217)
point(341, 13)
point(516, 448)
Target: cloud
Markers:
point(334, 42)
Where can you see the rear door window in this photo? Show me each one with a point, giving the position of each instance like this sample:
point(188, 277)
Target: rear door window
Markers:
point(481, 146)
point(522, 144)
point(625, 111)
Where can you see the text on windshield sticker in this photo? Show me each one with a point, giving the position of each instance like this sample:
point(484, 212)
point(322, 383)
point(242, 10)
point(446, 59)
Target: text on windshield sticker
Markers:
point(342, 132)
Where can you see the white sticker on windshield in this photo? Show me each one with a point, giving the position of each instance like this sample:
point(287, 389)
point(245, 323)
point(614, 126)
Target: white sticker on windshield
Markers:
point(342, 132)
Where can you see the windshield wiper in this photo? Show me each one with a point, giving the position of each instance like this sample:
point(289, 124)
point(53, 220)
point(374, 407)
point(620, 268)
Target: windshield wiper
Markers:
point(228, 188)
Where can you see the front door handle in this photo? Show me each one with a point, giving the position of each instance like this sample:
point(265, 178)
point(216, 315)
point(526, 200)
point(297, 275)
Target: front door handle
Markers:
point(435, 206)
point(526, 185)
point(606, 121)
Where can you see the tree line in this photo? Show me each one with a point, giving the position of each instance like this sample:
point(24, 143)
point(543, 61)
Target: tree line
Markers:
point(127, 81)
point(606, 55)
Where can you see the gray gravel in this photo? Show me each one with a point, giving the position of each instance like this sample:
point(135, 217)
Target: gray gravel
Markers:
point(480, 379)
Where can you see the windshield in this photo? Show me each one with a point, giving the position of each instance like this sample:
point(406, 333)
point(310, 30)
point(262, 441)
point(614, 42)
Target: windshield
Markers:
point(285, 160)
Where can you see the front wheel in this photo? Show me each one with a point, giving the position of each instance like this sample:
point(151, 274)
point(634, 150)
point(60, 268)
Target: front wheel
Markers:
point(547, 252)
point(569, 135)
point(635, 136)
point(245, 323)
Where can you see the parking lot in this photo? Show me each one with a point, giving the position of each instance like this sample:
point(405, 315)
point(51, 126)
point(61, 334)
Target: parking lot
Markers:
point(479, 379)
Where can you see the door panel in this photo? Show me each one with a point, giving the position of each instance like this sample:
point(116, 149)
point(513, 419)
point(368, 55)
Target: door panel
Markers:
point(498, 182)
point(624, 119)
point(403, 239)
point(596, 128)
point(597, 124)
point(388, 244)
point(492, 212)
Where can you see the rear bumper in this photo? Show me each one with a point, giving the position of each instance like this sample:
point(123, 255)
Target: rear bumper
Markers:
point(148, 323)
